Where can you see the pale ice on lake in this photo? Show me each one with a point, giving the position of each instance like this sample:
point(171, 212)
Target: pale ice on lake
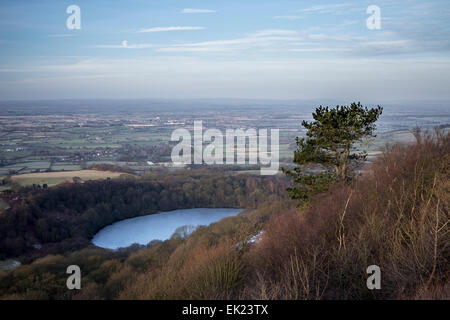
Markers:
point(160, 226)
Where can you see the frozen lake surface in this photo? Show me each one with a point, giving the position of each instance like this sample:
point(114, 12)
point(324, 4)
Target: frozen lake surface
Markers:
point(160, 226)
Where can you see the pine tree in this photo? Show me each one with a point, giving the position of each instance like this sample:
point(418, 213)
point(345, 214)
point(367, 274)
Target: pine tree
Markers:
point(329, 148)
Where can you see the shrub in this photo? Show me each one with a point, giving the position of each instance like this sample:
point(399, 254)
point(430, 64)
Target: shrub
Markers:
point(396, 217)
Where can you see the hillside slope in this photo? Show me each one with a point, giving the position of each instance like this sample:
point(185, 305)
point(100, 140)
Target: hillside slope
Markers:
point(395, 216)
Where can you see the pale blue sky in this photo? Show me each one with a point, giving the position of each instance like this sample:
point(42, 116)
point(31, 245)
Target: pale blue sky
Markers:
point(217, 49)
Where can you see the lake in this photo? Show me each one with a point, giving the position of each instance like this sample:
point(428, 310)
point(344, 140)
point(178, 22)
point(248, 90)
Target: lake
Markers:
point(159, 226)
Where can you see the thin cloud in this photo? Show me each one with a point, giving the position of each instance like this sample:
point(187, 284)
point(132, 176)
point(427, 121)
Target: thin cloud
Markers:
point(287, 17)
point(164, 29)
point(197, 11)
point(264, 38)
point(125, 45)
point(62, 35)
point(320, 49)
point(326, 37)
point(275, 32)
point(389, 47)
point(324, 8)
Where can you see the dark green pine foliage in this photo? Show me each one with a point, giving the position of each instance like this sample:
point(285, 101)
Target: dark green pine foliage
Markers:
point(327, 153)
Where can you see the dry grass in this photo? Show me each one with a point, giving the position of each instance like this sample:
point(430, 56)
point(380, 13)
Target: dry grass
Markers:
point(205, 273)
point(55, 178)
point(396, 217)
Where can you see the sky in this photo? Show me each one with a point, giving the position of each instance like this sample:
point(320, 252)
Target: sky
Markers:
point(281, 49)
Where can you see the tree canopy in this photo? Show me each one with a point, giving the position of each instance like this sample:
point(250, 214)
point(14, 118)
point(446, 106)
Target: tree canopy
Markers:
point(327, 153)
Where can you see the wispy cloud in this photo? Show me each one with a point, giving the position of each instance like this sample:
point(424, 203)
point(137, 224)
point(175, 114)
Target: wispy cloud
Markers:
point(62, 35)
point(261, 39)
point(163, 29)
point(320, 49)
point(324, 8)
point(275, 32)
point(389, 48)
point(125, 45)
point(288, 17)
point(340, 37)
point(197, 11)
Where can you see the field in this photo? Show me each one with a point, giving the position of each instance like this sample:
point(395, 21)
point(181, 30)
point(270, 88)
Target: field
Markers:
point(33, 141)
point(54, 178)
